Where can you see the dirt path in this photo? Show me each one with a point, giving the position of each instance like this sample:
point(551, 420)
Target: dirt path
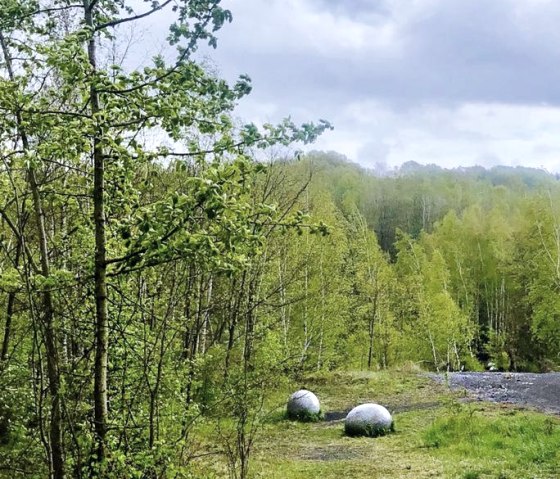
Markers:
point(541, 391)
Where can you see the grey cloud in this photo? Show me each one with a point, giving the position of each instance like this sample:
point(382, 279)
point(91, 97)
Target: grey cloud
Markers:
point(356, 9)
point(489, 160)
point(374, 154)
point(456, 51)
point(546, 149)
point(446, 81)
point(480, 51)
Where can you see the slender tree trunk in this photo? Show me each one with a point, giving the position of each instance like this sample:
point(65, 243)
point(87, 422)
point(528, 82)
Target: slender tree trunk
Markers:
point(55, 428)
point(370, 349)
point(322, 318)
point(372, 329)
point(432, 344)
point(207, 331)
point(283, 307)
point(10, 312)
point(306, 334)
point(253, 295)
point(101, 315)
point(64, 347)
point(233, 315)
point(187, 334)
point(249, 327)
point(199, 317)
point(8, 326)
point(154, 392)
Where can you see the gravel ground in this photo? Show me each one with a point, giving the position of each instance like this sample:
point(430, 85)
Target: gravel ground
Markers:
point(540, 391)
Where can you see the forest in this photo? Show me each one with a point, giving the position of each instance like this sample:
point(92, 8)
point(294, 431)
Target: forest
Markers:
point(151, 292)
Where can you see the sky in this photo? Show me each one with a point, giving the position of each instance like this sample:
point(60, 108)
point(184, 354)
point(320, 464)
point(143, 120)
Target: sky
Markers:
point(450, 82)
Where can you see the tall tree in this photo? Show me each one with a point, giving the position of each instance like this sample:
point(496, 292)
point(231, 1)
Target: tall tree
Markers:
point(75, 120)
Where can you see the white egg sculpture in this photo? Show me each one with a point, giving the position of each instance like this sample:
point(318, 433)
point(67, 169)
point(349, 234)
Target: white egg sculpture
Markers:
point(303, 405)
point(368, 420)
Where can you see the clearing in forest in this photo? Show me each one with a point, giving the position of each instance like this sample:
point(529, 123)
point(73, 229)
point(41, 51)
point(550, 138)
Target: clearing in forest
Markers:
point(438, 434)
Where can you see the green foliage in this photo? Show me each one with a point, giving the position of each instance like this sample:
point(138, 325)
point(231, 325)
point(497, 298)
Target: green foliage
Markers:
point(496, 350)
point(522, 441)
point(472, 364)
point(477, 257)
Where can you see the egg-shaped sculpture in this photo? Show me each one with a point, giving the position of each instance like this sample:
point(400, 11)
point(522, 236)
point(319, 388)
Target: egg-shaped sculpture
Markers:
point(304, 406)
point(368, 420)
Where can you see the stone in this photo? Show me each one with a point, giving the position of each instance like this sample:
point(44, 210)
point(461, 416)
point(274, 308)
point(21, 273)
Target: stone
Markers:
point(368, 420)
point(304, 405)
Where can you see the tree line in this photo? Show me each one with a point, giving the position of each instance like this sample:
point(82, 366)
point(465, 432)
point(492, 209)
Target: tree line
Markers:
point(473, 254)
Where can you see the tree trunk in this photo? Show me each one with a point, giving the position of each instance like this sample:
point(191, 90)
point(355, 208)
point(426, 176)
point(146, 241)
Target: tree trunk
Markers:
point(372, 329)
point(55, 428)
point(100, 274)
point(10, 311)
point(8, 326)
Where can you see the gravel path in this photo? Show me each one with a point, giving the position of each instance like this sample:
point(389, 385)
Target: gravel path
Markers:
point(541, 391)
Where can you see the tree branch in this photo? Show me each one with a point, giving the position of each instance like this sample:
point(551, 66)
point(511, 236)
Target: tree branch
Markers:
point(114, 23)
point(17, 234)
point(182, 57)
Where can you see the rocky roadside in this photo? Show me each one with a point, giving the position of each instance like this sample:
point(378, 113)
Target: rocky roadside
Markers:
point(540, 391)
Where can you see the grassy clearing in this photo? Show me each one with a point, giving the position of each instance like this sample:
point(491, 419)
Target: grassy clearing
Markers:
point(436, 435)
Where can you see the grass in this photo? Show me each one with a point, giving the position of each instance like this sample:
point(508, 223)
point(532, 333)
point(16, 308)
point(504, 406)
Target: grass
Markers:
point(305, 416)
point(436, 435)
point(510, 441)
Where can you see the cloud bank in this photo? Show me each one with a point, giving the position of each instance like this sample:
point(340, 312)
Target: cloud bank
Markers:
point(451, 82)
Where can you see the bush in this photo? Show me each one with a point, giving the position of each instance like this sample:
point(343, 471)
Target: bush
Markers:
point(470, 363)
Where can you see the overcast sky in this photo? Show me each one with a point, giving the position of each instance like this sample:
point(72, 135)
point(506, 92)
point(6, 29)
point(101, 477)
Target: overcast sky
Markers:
point(451, 82)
